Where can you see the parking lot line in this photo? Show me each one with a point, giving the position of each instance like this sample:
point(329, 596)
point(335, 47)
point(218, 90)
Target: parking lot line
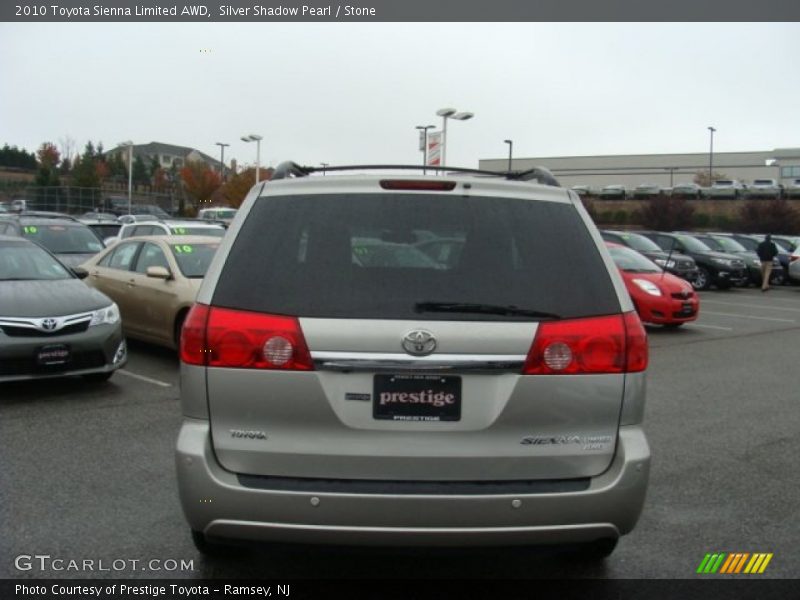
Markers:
point(770, 307)
point(709, 326)
point(738, 316)
point(143, 378)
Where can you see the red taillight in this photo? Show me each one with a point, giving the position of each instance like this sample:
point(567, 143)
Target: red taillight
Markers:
point(193, 336)
point(247, 340)
point(612, 344)
point(793, 258)
point(418, 185)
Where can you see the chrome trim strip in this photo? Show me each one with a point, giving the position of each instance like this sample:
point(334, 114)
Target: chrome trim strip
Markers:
point(439, 363)
point(36, 322)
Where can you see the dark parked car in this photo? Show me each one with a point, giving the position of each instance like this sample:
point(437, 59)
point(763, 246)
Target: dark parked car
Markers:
point(751, 242)
point(70, 240)
point(51, 323)
point(676, 263)
point(728, 244)
point(714, 268)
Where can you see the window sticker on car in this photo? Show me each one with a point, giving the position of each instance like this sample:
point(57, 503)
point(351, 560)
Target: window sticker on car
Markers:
point(183, 249)
point(30, 229)
point(179, 230)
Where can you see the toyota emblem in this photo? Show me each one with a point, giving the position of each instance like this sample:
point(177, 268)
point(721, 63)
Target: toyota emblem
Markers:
point(48, 324)
point(419, 342)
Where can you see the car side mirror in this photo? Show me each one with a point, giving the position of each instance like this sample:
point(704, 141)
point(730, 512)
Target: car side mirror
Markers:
point(80, 272)
point(159, 273)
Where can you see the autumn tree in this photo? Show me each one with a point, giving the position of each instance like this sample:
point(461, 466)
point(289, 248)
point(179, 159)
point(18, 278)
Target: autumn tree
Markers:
point(236, 187)
point(48, 158)
point(199, 181)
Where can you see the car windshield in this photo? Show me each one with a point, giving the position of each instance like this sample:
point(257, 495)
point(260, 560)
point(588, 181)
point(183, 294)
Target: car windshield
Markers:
point(340, 255)
point(712, 243)
point(729, 244)
point(692, 244)
point(631, 261)
point(640, 243)
point(64, 238)
point(193, 259)
point(723, 182)
point(192, 230)
point(763, 182)
point(29, 262)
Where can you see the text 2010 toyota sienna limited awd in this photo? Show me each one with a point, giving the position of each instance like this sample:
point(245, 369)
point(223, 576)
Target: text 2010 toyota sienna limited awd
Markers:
point(381, 359)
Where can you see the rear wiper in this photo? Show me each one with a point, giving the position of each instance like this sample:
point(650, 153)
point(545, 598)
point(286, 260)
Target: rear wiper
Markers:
point(488, 309)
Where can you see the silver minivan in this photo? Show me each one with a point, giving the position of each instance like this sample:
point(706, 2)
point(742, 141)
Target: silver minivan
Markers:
point(412, 360)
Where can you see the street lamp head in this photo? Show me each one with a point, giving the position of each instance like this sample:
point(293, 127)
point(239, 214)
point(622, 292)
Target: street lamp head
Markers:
point(446, 112)
point(425, 127)
point(463, 116)
point(251, 138)
point(711, 129)
point(508, 141)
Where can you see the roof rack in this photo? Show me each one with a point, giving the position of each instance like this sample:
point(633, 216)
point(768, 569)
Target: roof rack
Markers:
point(288, 169)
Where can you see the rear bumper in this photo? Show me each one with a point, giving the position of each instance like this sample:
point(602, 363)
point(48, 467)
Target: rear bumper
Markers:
point(217, 504)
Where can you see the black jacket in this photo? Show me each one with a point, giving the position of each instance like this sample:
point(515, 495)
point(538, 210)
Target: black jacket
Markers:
point(766, 251)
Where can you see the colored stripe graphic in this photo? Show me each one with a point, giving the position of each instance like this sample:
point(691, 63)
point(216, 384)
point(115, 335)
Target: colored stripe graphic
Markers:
point(734, 563)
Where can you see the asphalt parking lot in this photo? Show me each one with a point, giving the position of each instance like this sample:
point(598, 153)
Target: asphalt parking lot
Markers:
point(88, 469)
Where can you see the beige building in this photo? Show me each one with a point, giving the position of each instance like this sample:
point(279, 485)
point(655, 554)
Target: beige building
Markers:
point(664, 170)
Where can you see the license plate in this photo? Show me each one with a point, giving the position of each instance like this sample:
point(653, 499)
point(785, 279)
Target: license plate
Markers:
point(687, 308)
point(416, 398)
point(56, 354)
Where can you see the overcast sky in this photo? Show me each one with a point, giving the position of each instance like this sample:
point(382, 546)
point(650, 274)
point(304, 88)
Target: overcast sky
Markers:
point(353, 93)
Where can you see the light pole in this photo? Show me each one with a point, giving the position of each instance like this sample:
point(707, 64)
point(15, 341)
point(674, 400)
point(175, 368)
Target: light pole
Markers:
point(129, 144)
point(324, 166)
point(424, 132)
point(257, 139)
point(510, 146)
point(450, 113)
point(222, 159)
point(711, 130)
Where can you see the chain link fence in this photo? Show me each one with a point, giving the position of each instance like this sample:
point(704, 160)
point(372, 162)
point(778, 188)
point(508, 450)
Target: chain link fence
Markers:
point(78, 200)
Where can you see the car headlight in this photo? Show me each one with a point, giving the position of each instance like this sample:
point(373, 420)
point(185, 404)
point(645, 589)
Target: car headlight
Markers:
point(105, 316)
point(725, 262)
point(663, 262)
point(648, 287)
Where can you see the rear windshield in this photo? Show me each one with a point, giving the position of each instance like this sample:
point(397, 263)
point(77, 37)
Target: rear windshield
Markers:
point(382, 255)
point(64, 239)
point(640, 243)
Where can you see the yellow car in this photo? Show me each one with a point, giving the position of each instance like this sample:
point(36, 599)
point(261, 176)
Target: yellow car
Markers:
point(154, 281)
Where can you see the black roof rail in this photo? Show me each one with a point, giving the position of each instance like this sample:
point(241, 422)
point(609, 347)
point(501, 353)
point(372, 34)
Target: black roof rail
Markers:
point(540, 174)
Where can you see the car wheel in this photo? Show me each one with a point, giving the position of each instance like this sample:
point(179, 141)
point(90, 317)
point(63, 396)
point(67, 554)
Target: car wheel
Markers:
point(702, 280)
point(99, 377)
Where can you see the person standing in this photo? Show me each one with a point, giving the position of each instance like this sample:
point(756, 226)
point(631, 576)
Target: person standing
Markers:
point(767, 251)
